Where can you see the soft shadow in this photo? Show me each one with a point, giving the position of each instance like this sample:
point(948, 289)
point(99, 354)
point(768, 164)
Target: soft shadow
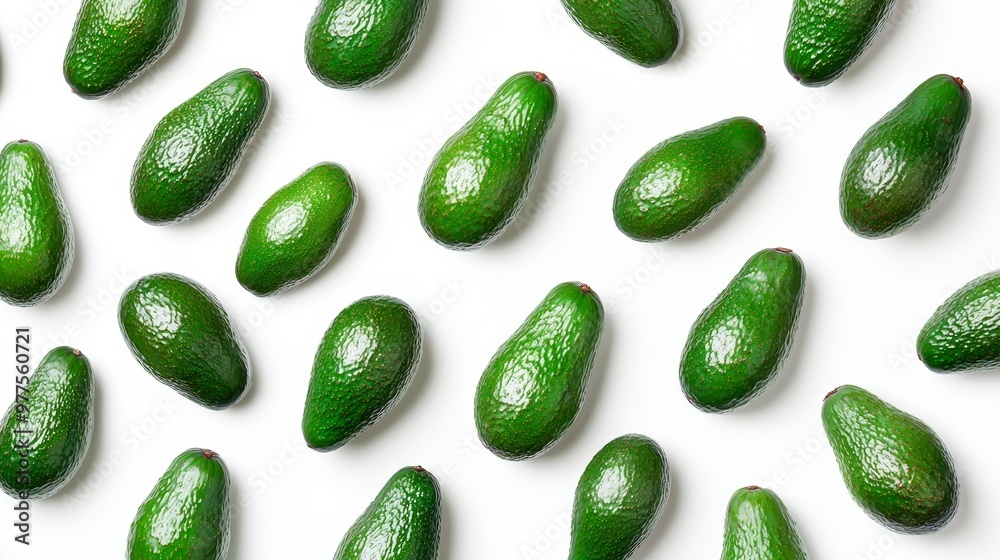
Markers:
point(415, 60)
point(235, 544)
point(346, 243)
point(96, 449)
point(69, 286)
point(665, 525)
point(255, 376)
point(448, 534)
point(687, 37)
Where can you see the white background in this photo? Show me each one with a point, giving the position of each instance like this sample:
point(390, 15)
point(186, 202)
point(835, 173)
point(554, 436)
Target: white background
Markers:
point(865, 300)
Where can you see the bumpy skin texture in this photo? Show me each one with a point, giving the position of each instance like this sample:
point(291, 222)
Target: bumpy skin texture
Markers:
point(114, 41)
point(533, 387)
point(759, 527)
point(36, 234)
point(179, 332)
point(353, 44)
point(402, 523)
point(740, 341)
point(364, 365)
point(904, 162)
point(646, 32)
point(195, 150)
point(682, 182)
point(825, 37)
point(186, 516)
point(58, 408)
point(894, 465)
point(296, 231)
point(478, 182)
point(619, 499)
point(964, 333)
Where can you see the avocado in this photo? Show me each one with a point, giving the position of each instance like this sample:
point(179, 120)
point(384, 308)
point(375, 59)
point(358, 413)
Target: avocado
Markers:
point(759, 527)
point(904, 162)
point(825, 37)
point(402, 523)
point(619, 499)
point(682, 182)
point(895, 467)
point(353, 44)
point(739, 343)
point(186, 516)
point(533, 387)
point(964, 333)
point(179, 332)
point(646, 32)
point(195, 150)
point(36, 234)
point(364, 365)
point(480, 179)
point(114, 41)
point(47, 429)
point(297, 231)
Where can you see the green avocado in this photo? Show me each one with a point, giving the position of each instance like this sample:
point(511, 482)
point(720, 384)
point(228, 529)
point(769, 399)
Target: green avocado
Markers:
point(478, 182)
point(353, 44)
point(36, 234)
point(47, 429)
point(186, 516)
point(114, 41)
point(297, 231)
point(964, 333)
point(904, 162)
point(402, 523)
point(895, 467)
point(534, 386)
point(179, 332)
point(825, 37)
point(739, 343)
point(682, 182)
point(646, 32)
point(759, 527)
point(619, 499)
point(364, 365)
point(194, 151)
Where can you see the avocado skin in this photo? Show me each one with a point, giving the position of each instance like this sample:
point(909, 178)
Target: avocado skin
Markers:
point(186, 516)
point(366, 47)
point(194, 151)
point(964, 333)
point(739, 343)
point(480, 179)
point(825, 37)
point(894, 465)
point(179, 332)
point(364, 365)
point(619, 499)
point(402, 523)
point(36, 234)
point(759, 527)
point(297, 230)
point(533, 387)
point(60, 410)
point(646, 32)
point(114, 41)
point(904, 162)
point(682, 182)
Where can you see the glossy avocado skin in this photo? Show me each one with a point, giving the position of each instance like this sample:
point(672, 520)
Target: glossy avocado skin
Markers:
point(964, 333)
point(646, 32)
point(353, 44)
point(682, 182)
point(364, 365)
point(186, 516)
point(825, 37)
point(904, 162)
point(297, 230)
point(60, 411)
point(479, 180)
point(619, 499)
point(402, 523)
point(759, 527)
point(179, 332)
point(895, 467)
point(533, 387)
point(36, 234)
point(739, 343)
point(195, 150)
point(114, 41)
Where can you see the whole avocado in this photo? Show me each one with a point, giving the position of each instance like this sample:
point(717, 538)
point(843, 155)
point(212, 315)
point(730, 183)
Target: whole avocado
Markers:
point(646, 32)
point(759, 527)
point(964, 333)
